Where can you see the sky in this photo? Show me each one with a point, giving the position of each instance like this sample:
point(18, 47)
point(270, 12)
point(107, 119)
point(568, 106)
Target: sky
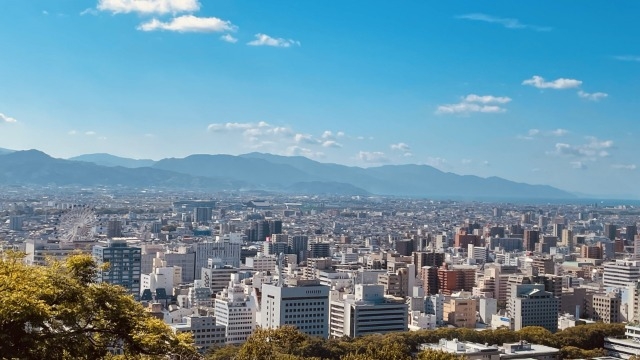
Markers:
point(541, 92)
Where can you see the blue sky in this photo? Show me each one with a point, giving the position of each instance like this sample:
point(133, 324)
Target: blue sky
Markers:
point(539, 92)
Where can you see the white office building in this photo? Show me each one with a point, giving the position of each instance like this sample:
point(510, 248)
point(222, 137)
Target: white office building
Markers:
point(216, 276)
point(262, 262)
point(621, 273)
point(226, 248)
point(235, 310)
point(301, 303)
point(367, 312)
point(204, 330)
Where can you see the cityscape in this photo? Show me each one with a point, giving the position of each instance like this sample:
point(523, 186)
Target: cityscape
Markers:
point(220, 266)
point(319, 180)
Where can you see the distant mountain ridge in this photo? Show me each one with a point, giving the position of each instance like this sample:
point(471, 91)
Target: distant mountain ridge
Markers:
point(259, 171)
point(112, 160)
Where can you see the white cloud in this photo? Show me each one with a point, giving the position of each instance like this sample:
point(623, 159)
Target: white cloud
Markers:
point(228, 38)
point(592, 150)
point(102, 138)
point(634, 58)
point(486, 163)
point(90, 133)
point(624, 166)
point(331, 143)
point(189, 23)
point(72, 132)
point(466, 161)
point(559, 132)
point(329, 135)
point(149, 6)
point(300, 151)
point(401, 147)
point(487, 99)
point(558, 84)
point(7, 119)
point(578, 165)
point(436, 161)
point(377, 157)
point(533, 132)
point(305, 138)
point(508, 23)
point(475, 103)
point(407, 154)
point(596, 96)
point(266, 40)
point(45, 12)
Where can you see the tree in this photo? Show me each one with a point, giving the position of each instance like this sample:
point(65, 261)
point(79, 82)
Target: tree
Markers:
point(59, 312)
point(438, 355)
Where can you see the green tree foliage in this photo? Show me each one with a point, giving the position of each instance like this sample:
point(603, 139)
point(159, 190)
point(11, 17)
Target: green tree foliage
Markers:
point(572, 352)
point(438, 355)
point(58, 312)
point(583, 341)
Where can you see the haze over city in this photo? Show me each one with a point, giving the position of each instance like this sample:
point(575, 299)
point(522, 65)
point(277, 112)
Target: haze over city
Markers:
point(541, 93)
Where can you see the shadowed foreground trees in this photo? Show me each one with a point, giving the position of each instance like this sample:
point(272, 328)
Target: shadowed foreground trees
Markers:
point(58, 312)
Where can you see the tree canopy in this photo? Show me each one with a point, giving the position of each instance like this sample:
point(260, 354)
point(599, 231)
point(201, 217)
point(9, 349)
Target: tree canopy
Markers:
point(59, 312)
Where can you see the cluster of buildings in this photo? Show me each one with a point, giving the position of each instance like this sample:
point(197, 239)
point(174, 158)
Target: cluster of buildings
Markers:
point(351, 266)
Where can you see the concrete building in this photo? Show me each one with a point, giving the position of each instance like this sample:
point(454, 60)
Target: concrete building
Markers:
point(204, 330)
point(366, 312)
point(531, 305)
point(299, 245)
point(460, 312)
point(620, 273)
point(468, 350)
point(236, 311)
point(302, 303)
point(226, 248)
point(606, 308)
point(124, 264)
point(216, 276)
point(525, 350)
point(262, 262)
point(624, 348)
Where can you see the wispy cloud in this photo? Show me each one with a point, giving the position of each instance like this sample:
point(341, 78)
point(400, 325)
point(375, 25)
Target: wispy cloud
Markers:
point(596, 96)
point(72, 132)
point(376, 157)
point(300, 151)
point(149, 6)
point(559, 132)
point(228, 38)
point(624, 166)
point(4, 119)
point(90, 133)
point(634, 58)
point(475, 103)
point(580, 165)
point(508, 23)
point(89, 11)
point(558, 84)
point(266, 40)
point(189, 23)
point(436, 161)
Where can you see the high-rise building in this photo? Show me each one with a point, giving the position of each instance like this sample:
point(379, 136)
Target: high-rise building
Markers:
point(606, 308)
point(124, 264)
point(202, 215)
point(227, 248)
point(16, 223)
point(299, 245)
point(620, 273)
point(216, 276)
point(114, 228)
point(610, 231)
point(567, 238)
point(236, 311)
point(531, 305)
point(451, 280)
point(319, 249)
point(630, 232)
point(531, 238)
point(366, 312)
point(301, 303)
point(275, 227)
point(427, 258)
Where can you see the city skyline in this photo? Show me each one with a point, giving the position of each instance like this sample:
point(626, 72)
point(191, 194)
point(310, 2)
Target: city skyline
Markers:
point(482, 88)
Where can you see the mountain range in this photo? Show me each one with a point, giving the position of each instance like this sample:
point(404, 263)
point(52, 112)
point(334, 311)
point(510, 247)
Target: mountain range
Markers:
point(259, 171)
